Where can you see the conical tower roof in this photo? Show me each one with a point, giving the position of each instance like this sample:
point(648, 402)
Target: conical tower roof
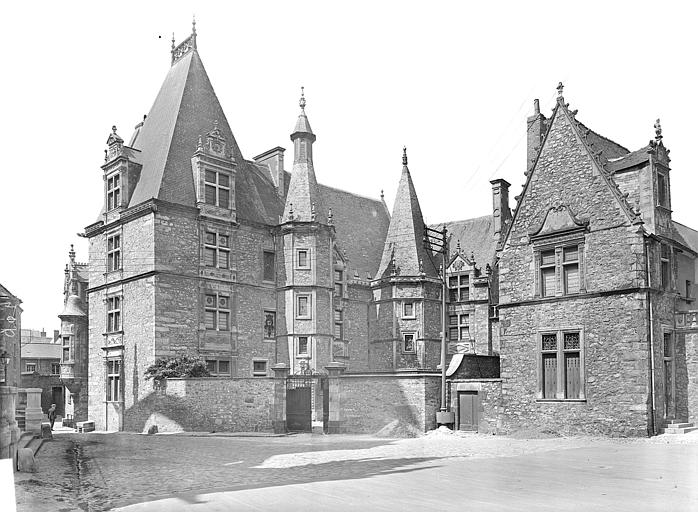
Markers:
point(404, 253)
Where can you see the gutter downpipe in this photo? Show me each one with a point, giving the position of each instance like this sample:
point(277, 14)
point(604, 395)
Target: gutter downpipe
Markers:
point(650, 332)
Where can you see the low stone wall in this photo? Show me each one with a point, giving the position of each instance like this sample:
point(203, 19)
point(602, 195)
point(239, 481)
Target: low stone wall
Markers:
point(489, 393)
point(206, 405)
point(370, 401)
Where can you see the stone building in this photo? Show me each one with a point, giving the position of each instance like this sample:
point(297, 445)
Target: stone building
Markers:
point(41, 368)
point(560, 313)
point(10, 353)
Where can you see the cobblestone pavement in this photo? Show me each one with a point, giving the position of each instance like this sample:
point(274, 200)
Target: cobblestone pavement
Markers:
point(95, 472)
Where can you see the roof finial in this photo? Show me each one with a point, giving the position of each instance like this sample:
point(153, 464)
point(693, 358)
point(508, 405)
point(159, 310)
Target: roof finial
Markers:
point(658, 132)
point(71, 253)
point(560, 87)
point(173, 41)
point(193, 24)
point(382, 196)
point(404, 156)
point(290, 211)
point(312, 211)
point(113, 129)
point(302, 100)
point(330, 218)
point(458, 246)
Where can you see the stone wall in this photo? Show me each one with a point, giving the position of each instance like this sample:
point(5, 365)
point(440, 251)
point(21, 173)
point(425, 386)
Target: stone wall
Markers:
point(205, 405)
point(9, 431)
point(46, 383)
point(371, 401)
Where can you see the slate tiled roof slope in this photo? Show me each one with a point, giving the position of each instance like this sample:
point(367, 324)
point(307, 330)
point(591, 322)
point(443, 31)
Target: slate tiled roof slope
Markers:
point(41, 351)
point(185, 108)
point(404, 242)
point(475, 235)
point(686, 236)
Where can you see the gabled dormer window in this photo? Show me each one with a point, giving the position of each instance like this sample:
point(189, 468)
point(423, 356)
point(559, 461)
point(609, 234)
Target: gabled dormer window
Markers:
point(217, 189)
point(459, 288)
point(113, 192)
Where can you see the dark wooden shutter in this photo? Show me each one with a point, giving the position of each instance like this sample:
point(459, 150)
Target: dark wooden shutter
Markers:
point(572, 375)
point(549, 375)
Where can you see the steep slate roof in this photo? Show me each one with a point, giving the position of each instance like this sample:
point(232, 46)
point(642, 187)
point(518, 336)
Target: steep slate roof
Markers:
point(686, 236)
point(404, 245)
point(361, 226)
point(629, 160)
point(475, 235)
point(41, 351)
point(185, 108)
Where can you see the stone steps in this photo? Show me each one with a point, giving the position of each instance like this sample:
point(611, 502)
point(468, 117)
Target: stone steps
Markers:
point(31, 441)
point(677, 427)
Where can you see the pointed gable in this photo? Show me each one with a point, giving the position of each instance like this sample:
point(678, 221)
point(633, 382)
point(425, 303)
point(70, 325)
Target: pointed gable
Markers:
point(185, 108)
point(404, 251)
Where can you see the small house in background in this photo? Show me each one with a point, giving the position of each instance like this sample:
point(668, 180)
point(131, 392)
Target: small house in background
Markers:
point(40, 367)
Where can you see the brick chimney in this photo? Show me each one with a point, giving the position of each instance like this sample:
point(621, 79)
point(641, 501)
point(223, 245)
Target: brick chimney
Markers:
point(501, 214)
point(535, 129)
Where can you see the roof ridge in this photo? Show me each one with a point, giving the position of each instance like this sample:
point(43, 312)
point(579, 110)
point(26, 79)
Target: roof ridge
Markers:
point(462, 220)
point(604, 137)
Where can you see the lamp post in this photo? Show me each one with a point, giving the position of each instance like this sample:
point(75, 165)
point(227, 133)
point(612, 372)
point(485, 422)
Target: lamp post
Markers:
point(436, 241)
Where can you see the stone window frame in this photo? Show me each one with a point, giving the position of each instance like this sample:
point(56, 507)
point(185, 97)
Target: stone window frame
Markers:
point(217, 309)
point(114, 248)
point(57, 367)
point(459, 286)
point(67, 343)
point(114, 314)
point(258, 373)
point(413, 305)
point(32, 365)
point(217, 248)
point(308, 346)
point(217, 371)
point(403, 345)
point(298, 252)
point(339, 286)
point(662, 189)
point(665, 267)
point(219, 190)
point(114, 380)
point(558, 248)
point(669, 358)
point(560, 352)
point(113, 191)
point(309, 306)
point(265, 253)
point(459, 325)
point(265, 337)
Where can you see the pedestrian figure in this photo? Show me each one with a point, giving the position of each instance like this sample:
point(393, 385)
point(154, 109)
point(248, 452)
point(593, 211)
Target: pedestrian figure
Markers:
point(52, 414)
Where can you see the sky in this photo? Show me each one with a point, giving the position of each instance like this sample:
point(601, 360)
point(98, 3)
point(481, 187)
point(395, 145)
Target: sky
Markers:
point(451, 81)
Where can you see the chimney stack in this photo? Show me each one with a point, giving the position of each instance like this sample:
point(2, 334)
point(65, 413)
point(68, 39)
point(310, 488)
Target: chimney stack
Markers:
point(535, 129)
point(501, 213)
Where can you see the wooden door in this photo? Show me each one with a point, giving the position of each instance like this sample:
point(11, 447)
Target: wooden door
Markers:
point(57, 398)
point(468, 410)
point(298, 407)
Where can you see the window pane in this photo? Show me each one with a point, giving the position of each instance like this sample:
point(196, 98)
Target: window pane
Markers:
point(453, 333)
point(452, 282)
point(409, 343)
point(338, 289)
point(269, 325)
point(409, 309)
point(465, 319)
point(667, 345)
point(268, 266)
point(464, 294)
point(211, 366)
point(571, 341)
point(211, 238)
point(210, 195)
point(224, 367)
point(303, 345)
point(259, 367)
point(453, 320)
point(549, 342)
point(223, 198)
point(549, 375)
point(210, 176)
point(302, 258)
point(210, 257)
point(571, 278)
point(547, 258)
point(337, 275)
point(464, 333)
point(223, 241)
point(569, 254)
point(453, 295)
point(223, 320)
point(572, 375)
point(464, 281)
point(210, 318)
point(224, 302)
point(338, 315)
point(302, 306)
point(223, 180)
point(338, 331)
point(548, 282)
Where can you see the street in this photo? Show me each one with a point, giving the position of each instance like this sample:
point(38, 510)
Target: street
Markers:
point(135, 472)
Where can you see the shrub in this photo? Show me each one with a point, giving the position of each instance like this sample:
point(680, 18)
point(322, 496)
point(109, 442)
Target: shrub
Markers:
point(179, 366)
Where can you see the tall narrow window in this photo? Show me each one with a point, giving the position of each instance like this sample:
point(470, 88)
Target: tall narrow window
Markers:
point(303, 258)
point(408, 343)
point(549, 349)
point(570, 269)
point(55, 368)
point(217, 312)
point(269, 273)
point(547, 273)
point(113, 192)
point(338, 324)
point(303, 306)
point(662, 189)
point(408, 310)
point(114, 380)
point(571, 351)
point(67, 349)
point(561, 365)
point(217, 189)
point(217, 250)
point(113, 253)
point(338, 283)
point(665, 257)
point(113, 314)
point(303, 346)
point(269, 325)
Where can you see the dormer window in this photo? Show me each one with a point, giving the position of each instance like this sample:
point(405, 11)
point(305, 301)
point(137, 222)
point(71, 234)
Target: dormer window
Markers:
point(217, 189)
point(113, 192)
point(459, 288)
